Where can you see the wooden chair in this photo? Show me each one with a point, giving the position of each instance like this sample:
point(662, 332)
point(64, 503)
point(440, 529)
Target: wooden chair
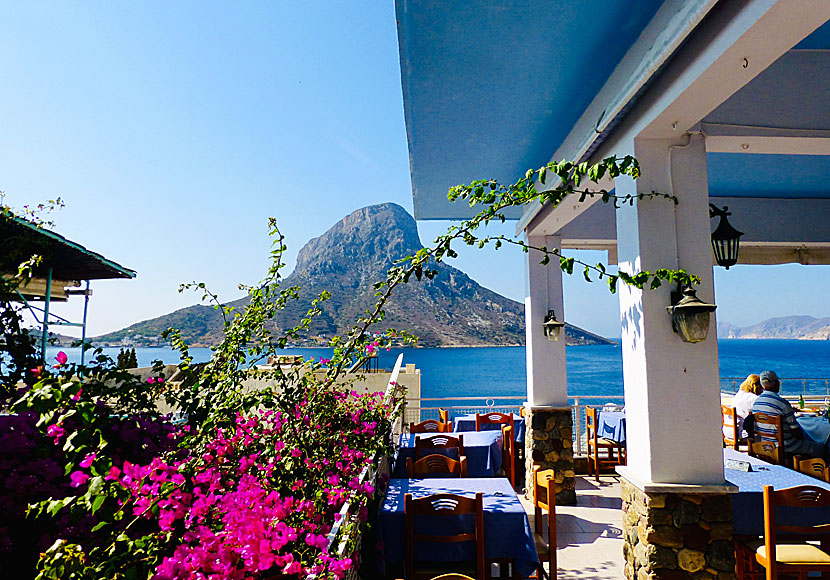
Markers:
point(494, 418)
point(767, 428)
point(598, 446)
point(813, 466)
point(436, 465)
point(439, 442)
point(766, 450)
point(508, 456)
point(449, 505)
point(444, 415)
point(792, 556)
point(729, 427)
point(544, 500)
point(430, 426)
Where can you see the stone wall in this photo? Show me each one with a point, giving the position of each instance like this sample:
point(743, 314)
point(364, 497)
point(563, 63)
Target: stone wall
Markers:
point(672, 536)
point(549, 444)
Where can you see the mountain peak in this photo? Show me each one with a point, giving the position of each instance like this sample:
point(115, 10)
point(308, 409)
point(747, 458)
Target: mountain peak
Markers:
point(369, 239)
point(450, 310)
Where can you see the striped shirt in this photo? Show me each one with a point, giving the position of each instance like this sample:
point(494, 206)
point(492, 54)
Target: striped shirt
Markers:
point(773, 404)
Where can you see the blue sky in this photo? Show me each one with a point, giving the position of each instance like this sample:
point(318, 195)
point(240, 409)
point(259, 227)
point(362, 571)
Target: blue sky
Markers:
point(173, 130)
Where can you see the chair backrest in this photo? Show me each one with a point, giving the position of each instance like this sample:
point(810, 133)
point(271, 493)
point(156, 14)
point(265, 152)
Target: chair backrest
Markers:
point(767, 427)
point(452, 577)
point(439, 442)
point(802, 496)
point(449, 505)
point(430, 426)
point(494, 418)
point(436, 465)
point(443, 415)
point(729, 426)
point(508, 457)
point(814, 466)
point(544, 500)
point(766, 450)
point(591, 422)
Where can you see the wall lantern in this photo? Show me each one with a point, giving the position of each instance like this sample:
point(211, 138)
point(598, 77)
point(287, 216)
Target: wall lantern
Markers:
point(553, 328)
point(725, 238)
point(690, 315)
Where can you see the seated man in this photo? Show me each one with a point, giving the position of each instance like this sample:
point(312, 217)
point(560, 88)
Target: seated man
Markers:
point(771, 403)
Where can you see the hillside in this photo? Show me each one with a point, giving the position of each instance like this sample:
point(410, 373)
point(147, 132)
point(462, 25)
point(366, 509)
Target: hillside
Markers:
point(451, 310)
point(791, 327)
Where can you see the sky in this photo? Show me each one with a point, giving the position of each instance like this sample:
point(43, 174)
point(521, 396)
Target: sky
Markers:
point(172, 131)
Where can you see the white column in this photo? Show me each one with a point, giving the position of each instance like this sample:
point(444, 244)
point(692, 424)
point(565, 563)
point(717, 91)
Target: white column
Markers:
point(671, 387)
point(547, 382)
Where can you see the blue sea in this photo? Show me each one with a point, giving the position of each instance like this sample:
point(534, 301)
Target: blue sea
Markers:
point(592, 370)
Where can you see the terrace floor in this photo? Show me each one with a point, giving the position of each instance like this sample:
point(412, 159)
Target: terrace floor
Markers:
point(590, 533)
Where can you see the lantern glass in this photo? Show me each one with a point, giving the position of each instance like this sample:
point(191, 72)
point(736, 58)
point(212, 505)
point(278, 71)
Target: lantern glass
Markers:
point(691, 326)
point(690, 315)
point(553, 328)
point(725, 238)
point(552, 333)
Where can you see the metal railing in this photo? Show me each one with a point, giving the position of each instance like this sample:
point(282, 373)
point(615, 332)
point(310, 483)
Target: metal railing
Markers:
point(418, 410)
point(812, 384)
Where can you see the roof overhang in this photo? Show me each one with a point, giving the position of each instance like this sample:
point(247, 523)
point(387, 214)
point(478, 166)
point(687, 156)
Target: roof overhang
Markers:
point(21, 239)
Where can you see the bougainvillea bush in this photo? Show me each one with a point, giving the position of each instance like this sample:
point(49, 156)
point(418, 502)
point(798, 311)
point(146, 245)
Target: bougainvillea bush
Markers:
point(246, 483)
point(139, 496)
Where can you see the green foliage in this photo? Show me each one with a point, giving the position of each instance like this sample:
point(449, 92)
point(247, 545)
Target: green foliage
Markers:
point(495, 198)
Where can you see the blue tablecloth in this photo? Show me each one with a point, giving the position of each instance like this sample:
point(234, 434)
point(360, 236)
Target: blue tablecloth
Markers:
point(816, 428)
point(468, 423)
point(483, 450)
point(507, 531)
point(748, 503)
point(611, 425)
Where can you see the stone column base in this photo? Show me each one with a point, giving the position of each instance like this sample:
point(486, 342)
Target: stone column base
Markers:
point(670, 536)
point(549, 444)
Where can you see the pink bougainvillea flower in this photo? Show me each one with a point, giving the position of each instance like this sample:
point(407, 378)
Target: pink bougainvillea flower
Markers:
point(61, 358)
point(36, 372)
point(78, 478)
point(88, 460)
point(151, 380)
point(77, 396)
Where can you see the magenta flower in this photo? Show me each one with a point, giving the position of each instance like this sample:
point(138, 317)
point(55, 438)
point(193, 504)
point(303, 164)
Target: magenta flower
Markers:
point(151, 380)
point(78, 478)
point(61, 358)
point(88, 460)
point(77, 396)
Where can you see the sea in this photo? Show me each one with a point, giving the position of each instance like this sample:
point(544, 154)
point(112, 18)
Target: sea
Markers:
point(593, 371)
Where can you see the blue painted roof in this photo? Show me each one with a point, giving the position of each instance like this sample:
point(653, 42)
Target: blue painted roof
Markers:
point(770, 176)
point(492, 88)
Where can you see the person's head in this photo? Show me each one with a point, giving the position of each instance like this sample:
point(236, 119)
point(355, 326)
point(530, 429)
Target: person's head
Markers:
point(752, 384)
point(770, 382)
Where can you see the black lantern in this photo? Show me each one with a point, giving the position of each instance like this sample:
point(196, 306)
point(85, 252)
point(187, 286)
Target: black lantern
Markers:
point(725, 238)
point(553, 328)
point(690, 315)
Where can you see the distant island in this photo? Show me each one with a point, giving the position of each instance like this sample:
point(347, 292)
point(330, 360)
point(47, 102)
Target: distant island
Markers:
point(451, 310)
point(788, 327)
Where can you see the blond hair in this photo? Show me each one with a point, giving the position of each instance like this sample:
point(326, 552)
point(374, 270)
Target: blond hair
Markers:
point(752, 384)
